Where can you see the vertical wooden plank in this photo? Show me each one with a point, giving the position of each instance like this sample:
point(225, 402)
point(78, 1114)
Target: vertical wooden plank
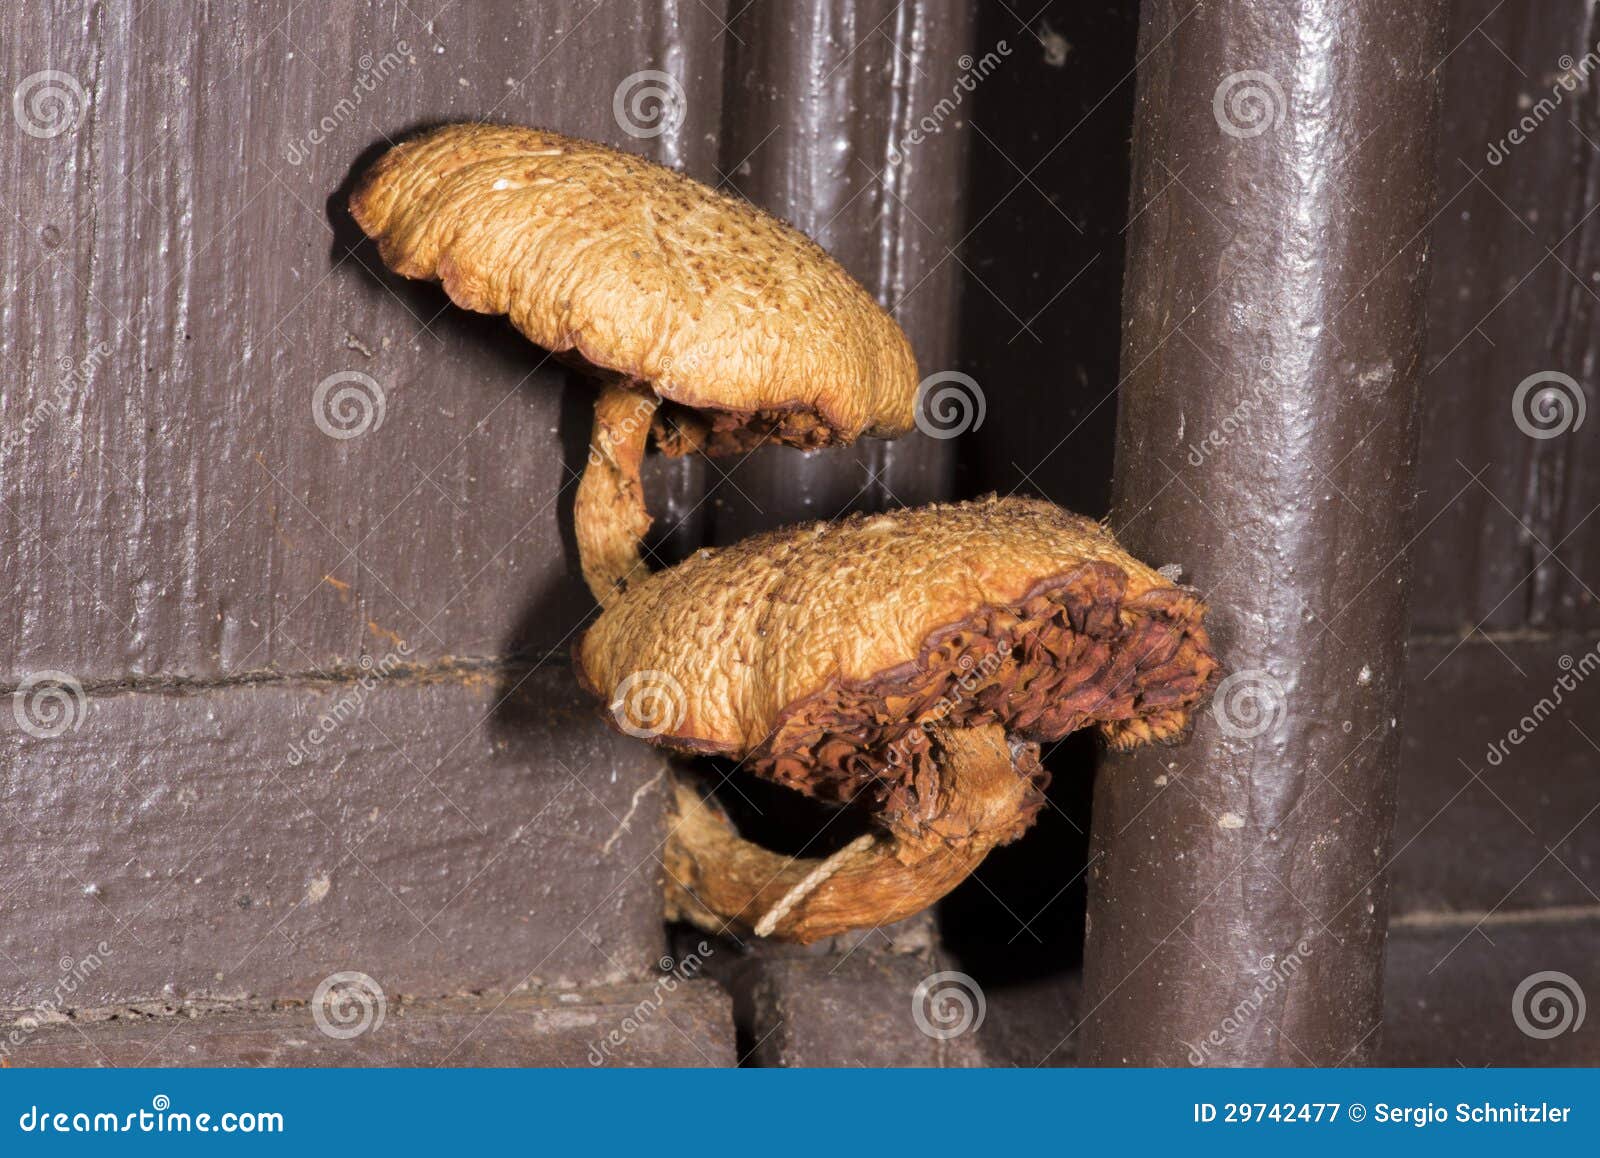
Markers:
point(181, 513)
point(1513, 297)
point(824, 107)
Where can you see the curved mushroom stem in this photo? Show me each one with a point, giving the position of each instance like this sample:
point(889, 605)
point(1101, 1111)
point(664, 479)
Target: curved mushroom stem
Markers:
point(986, 797)
point(608, 513)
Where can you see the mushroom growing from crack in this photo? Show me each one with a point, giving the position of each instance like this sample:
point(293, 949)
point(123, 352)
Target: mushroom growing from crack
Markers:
point(920, 656)
point(708, 321)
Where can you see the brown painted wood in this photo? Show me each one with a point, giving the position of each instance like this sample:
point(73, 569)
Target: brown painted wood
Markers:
point(173, 508)
point(449, 834)
point(1499, 806)
point(1452, 991)
point(179, 277)
point(849, 1011)
point(822, 99)
point(687, 1024)
point(1273, 285)
point(1496, 861)
point(1513, 294)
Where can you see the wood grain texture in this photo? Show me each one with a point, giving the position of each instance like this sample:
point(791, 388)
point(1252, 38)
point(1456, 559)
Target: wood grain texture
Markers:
point(1452, 992)
point(1274, 287)
point(820, 98)
point(1499, 759)
point(852, 1011)
point(173, 508)
point(444, 835)
point(1507, 539)
point(690, 1025)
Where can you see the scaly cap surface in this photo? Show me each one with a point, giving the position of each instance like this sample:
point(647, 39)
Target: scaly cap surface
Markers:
point(645, 272)
point(818, 651)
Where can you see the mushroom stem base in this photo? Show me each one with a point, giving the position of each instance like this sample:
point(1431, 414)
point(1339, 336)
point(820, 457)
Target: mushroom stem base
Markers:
point(608, 513)
point(717, 880)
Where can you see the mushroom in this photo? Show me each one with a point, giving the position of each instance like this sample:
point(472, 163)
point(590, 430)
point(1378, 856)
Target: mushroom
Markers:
point(920, 656)
point(708, 321)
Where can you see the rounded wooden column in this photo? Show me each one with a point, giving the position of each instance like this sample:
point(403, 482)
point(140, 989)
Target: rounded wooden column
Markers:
point(1283, 173)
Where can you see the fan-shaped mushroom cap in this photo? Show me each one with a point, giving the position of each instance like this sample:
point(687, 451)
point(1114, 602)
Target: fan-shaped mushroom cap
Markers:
point(822, 655)
point(671, 290)
point(645, 272)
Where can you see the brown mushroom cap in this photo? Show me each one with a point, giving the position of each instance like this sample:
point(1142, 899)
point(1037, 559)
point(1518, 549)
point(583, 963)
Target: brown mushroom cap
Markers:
point(642, 271)
point(670, 290)
point(822, 655)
